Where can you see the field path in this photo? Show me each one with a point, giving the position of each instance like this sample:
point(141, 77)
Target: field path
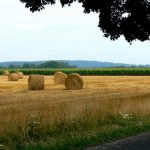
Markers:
point(140, 142)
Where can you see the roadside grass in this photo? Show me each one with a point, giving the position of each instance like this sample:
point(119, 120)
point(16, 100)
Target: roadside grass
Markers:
point(67, 132)
point(78, 140)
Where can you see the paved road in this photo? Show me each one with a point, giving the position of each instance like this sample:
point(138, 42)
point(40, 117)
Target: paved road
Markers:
point(140, 142)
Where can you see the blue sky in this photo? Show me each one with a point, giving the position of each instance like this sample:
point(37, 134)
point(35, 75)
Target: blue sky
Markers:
point(61, 34)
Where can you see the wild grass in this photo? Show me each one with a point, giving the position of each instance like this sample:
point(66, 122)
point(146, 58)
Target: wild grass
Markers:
point(108, 108)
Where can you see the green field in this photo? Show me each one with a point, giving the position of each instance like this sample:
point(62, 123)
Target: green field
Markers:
point(89, 72)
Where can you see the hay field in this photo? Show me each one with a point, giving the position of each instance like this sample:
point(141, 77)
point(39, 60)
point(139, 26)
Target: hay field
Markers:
point(106, 104)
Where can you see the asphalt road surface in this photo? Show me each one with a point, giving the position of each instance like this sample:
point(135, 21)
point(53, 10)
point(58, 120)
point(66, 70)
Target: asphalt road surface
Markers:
point(140, 142)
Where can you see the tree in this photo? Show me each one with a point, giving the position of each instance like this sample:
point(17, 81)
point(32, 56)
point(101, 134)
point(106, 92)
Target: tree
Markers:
point(26, 65)
point(130, 18)
point(55, 64)
point(14, 66)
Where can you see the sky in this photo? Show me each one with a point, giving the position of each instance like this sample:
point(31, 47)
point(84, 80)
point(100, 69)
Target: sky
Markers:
point(58, 33)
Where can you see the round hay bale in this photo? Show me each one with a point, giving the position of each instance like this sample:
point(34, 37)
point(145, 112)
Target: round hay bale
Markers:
point(74, 82)
point(6, 73)
point(13, 77)
point(20, 75)
point(59, 78)
point(36, 82)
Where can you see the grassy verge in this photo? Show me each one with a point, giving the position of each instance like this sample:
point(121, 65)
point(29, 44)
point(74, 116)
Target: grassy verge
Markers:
point(75, 133)
point(91, 136)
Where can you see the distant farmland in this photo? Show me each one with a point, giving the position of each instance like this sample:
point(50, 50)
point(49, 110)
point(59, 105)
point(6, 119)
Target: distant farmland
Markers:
point(89, 72)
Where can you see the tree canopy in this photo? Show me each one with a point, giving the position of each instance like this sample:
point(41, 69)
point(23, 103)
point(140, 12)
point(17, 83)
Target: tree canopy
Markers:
point(130, 18)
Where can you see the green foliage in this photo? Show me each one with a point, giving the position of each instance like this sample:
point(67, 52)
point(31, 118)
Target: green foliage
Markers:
point(55, 64)
point(47, 64)
point(89, 72)
point(26, 65)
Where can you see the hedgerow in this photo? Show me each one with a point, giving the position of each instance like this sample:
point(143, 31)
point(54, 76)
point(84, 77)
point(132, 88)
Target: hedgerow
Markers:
point(89, 72)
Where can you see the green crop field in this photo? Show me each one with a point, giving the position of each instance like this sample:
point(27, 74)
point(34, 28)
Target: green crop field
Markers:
point(89, 72)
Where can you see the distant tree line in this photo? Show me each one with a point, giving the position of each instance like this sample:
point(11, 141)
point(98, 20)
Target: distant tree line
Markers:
point(47, 64)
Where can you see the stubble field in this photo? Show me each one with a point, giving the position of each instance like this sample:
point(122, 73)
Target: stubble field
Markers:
point(107, 108)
